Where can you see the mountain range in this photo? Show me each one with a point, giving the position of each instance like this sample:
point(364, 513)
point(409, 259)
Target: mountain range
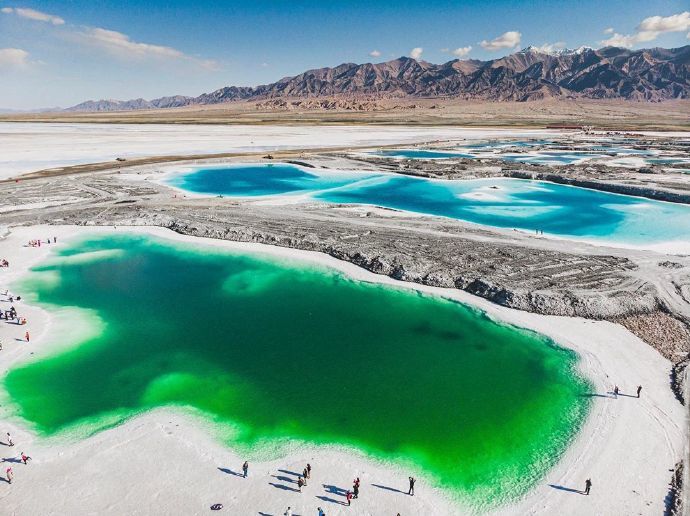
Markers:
point(653, 74)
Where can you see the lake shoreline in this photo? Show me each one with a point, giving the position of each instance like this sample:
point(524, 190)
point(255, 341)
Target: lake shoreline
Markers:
point(598, 343)
point(206, 181)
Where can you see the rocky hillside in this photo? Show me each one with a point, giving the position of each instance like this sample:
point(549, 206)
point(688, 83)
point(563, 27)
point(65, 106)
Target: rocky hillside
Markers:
point(607, 73)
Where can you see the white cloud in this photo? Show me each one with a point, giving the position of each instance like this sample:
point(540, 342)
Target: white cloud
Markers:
point(609, 30)
point(13, 57)
point(416, 52)
point(121, 45)
point(32, 14)
point(112, 41)
point(675, 23)
point(375, 53)
point(649, 29)
point(462, 51)
point(619, 40)
point(508, 39)
point(548, 48)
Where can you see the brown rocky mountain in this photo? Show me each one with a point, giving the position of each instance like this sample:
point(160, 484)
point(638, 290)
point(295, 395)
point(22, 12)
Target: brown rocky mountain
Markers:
point(608, 73)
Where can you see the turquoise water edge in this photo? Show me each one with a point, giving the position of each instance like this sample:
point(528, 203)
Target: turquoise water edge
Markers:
point(558, 210)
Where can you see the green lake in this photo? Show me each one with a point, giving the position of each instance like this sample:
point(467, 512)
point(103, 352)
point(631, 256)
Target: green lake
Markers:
point(271, 351)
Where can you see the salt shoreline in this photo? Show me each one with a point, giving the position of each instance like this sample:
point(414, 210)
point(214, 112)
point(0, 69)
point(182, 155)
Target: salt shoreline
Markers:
point(169, 171)
point(626, 446)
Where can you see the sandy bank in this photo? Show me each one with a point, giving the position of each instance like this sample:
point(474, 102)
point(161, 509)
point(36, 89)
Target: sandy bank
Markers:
point(164, 462)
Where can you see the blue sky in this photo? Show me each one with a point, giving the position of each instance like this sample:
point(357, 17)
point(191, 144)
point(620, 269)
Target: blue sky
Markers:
point(58, 53)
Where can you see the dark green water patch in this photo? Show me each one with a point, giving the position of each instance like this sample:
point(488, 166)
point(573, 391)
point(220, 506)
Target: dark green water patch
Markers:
point(273, 351)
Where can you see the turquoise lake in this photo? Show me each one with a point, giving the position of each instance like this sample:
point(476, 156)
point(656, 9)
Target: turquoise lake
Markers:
point(560, 210)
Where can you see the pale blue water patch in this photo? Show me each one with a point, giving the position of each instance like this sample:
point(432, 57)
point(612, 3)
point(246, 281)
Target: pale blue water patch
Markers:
point(549, 157)
point(667, 161)
point(540, 157)
point(621, 151)
point(259, 180)
point(500, 149)
point(561, 210)
point(421, 154)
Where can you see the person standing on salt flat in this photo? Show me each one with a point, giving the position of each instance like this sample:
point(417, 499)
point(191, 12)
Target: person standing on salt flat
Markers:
point(300, 483)
point(639, 390)
point(308, 470)
point(288, 512)
point(348, 496)
point(245, 468)
point(9, 440)
point(355, 488)
point(411, 490)
point(10, 475)
point(25, 458)
point(305, 474)
point(588, 485)
point(26, 336)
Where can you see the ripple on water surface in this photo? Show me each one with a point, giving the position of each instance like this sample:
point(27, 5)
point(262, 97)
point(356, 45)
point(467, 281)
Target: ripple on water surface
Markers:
point(271, 351)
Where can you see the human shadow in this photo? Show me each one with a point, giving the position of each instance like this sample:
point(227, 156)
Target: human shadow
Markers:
point(5, 480)
point(331, 500)
point(288, 472)
point(284, 487)
point(231, 472)
point(335, 490)
point(12, 459)
point(627, 395)
point(595, 395)
point(389, 488)
point(568, 489)
point(284, 479)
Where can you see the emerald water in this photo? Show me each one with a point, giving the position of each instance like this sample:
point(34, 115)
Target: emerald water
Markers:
point(271, 351)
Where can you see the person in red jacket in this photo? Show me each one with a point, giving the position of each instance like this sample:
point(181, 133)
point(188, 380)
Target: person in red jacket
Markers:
point(349, 497)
